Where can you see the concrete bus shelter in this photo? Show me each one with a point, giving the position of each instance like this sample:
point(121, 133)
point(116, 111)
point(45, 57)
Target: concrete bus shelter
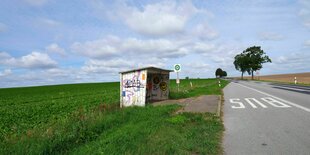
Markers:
point(143, 85)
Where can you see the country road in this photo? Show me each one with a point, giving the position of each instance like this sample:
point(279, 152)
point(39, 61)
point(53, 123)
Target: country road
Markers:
point(266, 118)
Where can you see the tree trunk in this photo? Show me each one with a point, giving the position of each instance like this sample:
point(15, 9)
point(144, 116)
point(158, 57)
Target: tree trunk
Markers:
point(242, 76)
point(252, 75)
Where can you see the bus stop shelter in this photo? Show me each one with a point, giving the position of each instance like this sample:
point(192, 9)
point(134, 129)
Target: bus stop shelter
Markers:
point(143, 85)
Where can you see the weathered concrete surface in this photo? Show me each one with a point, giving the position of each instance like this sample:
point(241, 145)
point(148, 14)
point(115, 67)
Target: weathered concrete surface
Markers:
point(201, 104)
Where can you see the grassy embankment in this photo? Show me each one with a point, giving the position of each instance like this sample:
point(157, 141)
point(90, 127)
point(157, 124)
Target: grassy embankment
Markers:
point(85, 118)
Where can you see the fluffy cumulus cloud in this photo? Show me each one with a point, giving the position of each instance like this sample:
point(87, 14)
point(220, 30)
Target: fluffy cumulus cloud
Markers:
point(270, 36)
point(161, 18)
point(55, 49)
point(155, 19)
point(131, 48)
point(34, 60)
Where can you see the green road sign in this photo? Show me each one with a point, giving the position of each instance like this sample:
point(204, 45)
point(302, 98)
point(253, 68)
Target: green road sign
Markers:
point(177, 67)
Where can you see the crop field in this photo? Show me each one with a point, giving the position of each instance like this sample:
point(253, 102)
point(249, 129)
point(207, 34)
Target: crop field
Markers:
point(302, 78)
point(81, 118)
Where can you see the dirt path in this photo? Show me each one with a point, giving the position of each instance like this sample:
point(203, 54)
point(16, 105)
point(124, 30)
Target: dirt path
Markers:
point(201, 104)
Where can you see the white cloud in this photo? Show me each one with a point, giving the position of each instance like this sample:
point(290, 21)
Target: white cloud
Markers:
point(34, 60)
point(113, 46)
point(161, 18)
point(6, 72)
point(116, 65)
point(36, 2)
point(55, 49)
point(296, 62)
point(307, 43)
point(270, 36)
point(204, 48)
point(103, 66)
point(3, 27)
point(156, 19)
point(99, 49)
point(204, 31)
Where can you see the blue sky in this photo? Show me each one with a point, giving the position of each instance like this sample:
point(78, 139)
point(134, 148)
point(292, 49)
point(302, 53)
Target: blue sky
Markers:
point(52, 42)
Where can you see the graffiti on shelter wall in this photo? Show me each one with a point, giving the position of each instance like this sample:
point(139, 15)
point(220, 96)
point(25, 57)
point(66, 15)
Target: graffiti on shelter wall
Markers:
point(134, 88)
point(158, 86)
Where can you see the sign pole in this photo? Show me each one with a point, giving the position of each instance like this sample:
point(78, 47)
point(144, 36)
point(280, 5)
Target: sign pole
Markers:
point(178, 82)
point(177, 68)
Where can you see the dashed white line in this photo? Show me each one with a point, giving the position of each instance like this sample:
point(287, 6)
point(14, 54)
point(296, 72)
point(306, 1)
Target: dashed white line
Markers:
point(288, 102)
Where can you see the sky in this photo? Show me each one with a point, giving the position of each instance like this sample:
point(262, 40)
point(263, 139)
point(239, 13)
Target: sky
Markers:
point(45, 42)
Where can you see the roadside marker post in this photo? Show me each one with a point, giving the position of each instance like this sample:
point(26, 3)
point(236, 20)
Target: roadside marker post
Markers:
point(219, 83)
point(295, 80)
point(177, 69)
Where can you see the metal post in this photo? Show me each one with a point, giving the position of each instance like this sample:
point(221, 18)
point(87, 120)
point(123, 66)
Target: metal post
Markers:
point(178, 81)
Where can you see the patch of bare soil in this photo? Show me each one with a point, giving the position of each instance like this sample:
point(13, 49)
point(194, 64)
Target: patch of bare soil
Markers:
point(201, 104)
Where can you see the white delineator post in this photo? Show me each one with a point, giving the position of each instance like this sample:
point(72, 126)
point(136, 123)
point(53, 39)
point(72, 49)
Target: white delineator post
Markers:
point(219, 83)
point(295, 80)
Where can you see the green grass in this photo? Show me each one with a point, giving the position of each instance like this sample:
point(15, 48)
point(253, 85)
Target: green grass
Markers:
point(82, 118)
point(200, 87)
point(134, 130)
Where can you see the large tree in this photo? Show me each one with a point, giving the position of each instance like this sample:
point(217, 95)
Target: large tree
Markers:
point(251, 60)
point(242, 63)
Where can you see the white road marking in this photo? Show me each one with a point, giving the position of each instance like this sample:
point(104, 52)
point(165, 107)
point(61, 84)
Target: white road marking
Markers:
point(255, 100)
point(252, 104)
point(287, 102)
point(236, 101)
point(273, 101)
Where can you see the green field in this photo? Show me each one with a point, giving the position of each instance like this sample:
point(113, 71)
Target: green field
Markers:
point(81, 118)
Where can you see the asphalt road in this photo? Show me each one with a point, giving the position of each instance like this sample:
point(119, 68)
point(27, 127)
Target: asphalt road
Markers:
point(266, 118)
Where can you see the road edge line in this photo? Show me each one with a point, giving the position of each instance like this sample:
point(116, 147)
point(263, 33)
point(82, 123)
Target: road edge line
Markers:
point(288, 102)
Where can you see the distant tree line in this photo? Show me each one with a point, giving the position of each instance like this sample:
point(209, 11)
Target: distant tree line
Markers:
point(220, 73)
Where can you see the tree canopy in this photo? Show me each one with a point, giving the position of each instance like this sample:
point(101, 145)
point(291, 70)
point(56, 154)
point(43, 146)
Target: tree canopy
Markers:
point(220, 73)
point(251, 60)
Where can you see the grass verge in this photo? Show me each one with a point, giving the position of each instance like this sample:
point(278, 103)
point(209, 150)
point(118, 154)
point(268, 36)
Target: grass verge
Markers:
point(199, 87)
point(134, 130)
